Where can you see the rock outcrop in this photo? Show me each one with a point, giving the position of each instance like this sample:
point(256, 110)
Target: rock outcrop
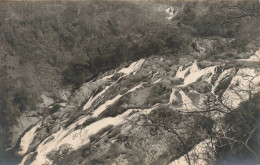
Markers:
point(127, 116)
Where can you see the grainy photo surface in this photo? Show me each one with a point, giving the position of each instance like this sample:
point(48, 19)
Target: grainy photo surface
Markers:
point(130, 82)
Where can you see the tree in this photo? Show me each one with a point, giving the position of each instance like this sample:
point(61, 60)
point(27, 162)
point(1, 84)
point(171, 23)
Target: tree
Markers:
point(233, 137)
point(242, 8)
point(76, 74)
point(239, 139)
point(21, 99)
point(56, 156)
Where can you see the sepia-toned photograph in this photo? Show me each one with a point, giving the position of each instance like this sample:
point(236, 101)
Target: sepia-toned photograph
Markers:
point(129, 82)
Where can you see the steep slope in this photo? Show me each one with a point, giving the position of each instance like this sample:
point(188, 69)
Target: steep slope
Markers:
point(116, 118)
point(48, 49)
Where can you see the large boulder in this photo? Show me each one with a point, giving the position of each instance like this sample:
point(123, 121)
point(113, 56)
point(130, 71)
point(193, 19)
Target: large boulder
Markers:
point(202, 87)
point(85, 91)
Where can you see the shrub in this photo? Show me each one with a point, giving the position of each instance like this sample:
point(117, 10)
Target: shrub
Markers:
point(229, 34)
point(73, 117)
point(239, 44)
point(105, 129)
point(205, 123)
point(230, 55)
point(76, 74)
point(207, 27)
point(89, 121)
point(158, 94)
point(115, 109)
point(166, 116)
point(3, 111)
point(56, 156)
point(94, 138)
point(21, 100)
point(86, 150)
point(239, 125)
point(9, 38)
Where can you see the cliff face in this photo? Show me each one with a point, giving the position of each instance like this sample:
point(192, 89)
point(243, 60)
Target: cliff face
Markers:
point(127, 116)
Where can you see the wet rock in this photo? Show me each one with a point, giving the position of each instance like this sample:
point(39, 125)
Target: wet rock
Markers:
point(46, 100)
point(139, 97)
point(133, 142)
point(218, 71)
point(165, 81)
point(174, 69)
point(85, 91)
point(64, 95)
point(54, 128)
point(224, 83)
point(178, 100)
point(23, 123)
point(42, 133)
point(48, 120)
point(202, 87)
point(205, 63)
point(185, 60)
point(177, 81)
point(59, 114)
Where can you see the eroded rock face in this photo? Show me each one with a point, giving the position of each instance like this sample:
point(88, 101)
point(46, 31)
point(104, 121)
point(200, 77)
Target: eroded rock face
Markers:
point(23, 123)
point(46, 100)
point(202, 87)
point(85, 91)
point(126, 116)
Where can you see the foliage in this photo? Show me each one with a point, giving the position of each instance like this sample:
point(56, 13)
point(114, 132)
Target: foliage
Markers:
point(158, 94)
point(204, 122)
point(76, 74)
point(207, 27)
point(166, 117)
point(21, 100)
point(213, 23)
point(241, 144)
point(3, 111)
point(13, 101)
point(96, 137)
point(56, 156)
point(239, 44)
point(72, 118)
point(86, 151)
point(89, 121)
point(114, 109)
point(56, 33)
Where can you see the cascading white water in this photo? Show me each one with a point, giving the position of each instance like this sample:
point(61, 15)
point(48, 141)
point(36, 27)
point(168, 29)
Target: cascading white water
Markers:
point(103, 107)
point(195, 75)
point(187, 102)
point(27, 139)
point(199, 155)
point(245, 83)
point(173, 96)
point(134, 67)
point(76, 135)
point(92, 100)
point(75, 138)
